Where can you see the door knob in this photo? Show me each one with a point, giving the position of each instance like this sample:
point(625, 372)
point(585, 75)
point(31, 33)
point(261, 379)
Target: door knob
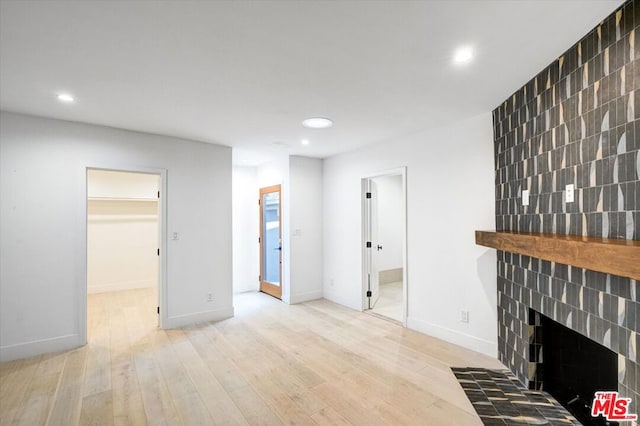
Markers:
point(379, 247)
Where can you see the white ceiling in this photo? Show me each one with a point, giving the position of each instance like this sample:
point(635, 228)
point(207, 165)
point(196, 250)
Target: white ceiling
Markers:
point(245, 74)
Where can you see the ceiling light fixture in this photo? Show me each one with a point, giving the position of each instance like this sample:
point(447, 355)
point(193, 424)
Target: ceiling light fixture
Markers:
point(463, 55)
point(65, 97)
point(317, 123)
point(305, 142)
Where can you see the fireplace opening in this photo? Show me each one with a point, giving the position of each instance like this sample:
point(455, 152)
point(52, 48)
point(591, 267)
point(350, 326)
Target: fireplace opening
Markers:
point(572, 367)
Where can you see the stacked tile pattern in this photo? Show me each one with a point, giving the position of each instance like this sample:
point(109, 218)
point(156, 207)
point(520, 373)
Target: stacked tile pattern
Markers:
point(536, 372)
point(577, 122)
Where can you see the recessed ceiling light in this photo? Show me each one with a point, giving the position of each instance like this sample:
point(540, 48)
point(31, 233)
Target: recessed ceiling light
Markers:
point(463, 55)
point(65, 97)
point(305, 142)
point(317, 123)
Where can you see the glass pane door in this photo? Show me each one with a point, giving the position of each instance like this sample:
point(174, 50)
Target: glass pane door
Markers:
point(270, 241)
point(271, 231)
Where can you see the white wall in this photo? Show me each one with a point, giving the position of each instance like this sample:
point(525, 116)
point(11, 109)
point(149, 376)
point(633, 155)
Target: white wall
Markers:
point(246, 250)
point(43, 257)
point(450, 194)
point(306, 228)
point(389, 221)
point(122, 231)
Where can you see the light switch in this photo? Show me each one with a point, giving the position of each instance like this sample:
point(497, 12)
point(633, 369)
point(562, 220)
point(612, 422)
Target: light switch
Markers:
point(175, 236)
point(569, 193)
point(525, 197)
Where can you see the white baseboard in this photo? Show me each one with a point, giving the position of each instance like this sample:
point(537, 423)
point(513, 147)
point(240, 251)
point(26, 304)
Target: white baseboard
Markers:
point(305, 297)
point(55, 344)
point(390, 276)
point(197, 317)
point(341, 300)
point(37, 347)
point(126, 285)
point(245, 287)
point(452, 336)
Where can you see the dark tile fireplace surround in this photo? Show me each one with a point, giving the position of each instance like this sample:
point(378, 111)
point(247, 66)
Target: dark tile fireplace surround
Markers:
point(577, 122)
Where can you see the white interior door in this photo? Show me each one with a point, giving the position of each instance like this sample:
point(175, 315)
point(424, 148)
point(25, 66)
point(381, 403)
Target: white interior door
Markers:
point(374, 237)
point(375, 245)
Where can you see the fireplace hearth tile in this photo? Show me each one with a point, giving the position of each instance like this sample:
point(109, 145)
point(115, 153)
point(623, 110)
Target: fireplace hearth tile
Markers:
point(500, 399)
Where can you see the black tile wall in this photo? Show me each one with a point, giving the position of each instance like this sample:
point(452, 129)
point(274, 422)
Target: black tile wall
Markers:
point(569, 364)
point(577, 121)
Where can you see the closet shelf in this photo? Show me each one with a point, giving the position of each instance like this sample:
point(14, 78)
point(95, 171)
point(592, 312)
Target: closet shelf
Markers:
point(611, 256)
point(120, 199)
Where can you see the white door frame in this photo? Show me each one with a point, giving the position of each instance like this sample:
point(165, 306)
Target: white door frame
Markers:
point(162, 262)
point(402, 171)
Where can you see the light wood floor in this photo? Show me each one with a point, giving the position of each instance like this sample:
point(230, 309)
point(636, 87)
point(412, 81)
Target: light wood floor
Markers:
point(312, 363)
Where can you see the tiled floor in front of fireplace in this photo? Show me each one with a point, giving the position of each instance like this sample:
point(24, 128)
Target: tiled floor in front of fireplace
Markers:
point(500, 399)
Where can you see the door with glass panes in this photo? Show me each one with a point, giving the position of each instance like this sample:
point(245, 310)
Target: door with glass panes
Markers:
point(271, 241)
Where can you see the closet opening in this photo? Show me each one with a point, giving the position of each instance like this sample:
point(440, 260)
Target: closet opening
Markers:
point(123, 252)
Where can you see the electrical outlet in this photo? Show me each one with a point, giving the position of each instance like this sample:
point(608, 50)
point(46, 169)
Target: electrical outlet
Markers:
point(525, 197)
point(464, 316)
point(209, 297)
point(569, 193)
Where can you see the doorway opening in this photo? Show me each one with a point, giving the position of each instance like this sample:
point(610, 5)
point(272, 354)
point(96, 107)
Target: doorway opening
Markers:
point(384, 245)
point(124, 239)
point(271, 241)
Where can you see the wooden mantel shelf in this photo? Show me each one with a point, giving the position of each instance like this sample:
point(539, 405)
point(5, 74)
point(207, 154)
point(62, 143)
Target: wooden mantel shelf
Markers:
point(616, 257)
